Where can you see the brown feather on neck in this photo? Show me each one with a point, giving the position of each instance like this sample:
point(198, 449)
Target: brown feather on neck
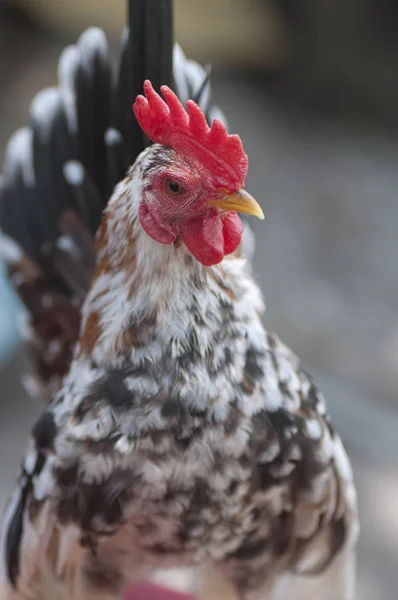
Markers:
point(112, 257)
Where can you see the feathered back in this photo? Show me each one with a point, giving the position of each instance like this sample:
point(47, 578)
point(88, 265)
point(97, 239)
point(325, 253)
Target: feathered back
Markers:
point(59, 172)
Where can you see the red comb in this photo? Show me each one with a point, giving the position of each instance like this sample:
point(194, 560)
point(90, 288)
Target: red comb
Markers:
point(188, 133)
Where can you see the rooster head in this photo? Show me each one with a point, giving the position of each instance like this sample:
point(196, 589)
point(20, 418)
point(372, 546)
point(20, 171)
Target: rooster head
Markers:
point(193, 178)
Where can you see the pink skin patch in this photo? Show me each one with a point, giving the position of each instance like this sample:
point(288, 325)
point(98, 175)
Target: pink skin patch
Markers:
point(149, 591)
point(150, 221)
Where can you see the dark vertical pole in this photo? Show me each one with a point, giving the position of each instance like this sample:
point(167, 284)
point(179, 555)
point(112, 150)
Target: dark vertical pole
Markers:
point(151, 46)
point(137, 46)
point(135, 71)
point(151, 32)
point(159, 42)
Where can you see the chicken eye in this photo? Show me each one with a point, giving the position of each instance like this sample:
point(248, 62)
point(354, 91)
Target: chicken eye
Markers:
point(174, 187)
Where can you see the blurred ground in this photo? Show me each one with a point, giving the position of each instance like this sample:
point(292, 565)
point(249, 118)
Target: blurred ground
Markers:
point(327, 261)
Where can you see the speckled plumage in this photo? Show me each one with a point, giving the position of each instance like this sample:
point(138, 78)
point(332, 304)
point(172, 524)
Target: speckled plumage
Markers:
point(184, 433)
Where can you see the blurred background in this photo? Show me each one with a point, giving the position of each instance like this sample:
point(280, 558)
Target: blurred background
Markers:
point(312, 88)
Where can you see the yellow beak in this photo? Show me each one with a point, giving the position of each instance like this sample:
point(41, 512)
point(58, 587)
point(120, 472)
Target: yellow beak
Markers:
point(241, 201)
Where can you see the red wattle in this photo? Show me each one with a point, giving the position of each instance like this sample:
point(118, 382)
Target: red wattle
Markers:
point(157, 230)
point(209, 238)
point(233, 231)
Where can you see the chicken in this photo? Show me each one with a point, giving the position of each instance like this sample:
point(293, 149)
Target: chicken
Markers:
point(178, 433)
